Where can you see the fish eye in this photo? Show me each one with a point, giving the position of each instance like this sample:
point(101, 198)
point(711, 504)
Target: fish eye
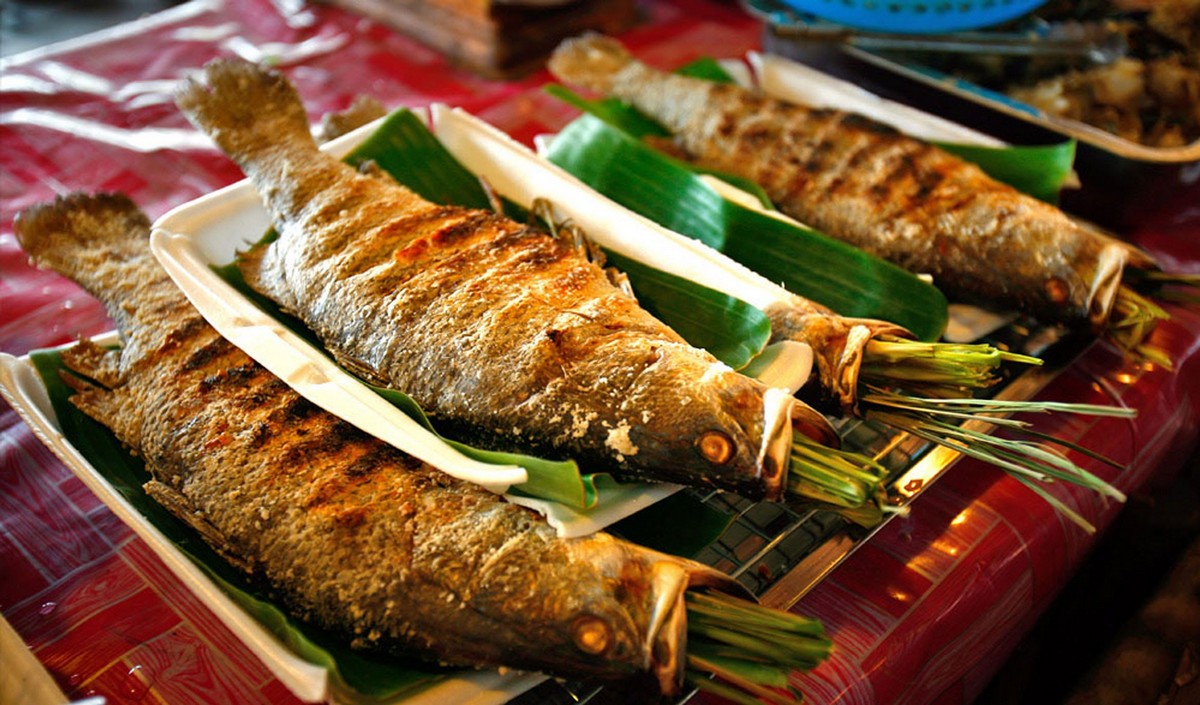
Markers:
point(591, 635)
point(716, 447)
point(1057, 290)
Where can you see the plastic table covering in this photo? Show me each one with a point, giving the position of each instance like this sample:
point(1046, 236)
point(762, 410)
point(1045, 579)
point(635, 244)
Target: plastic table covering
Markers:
point(925, 612)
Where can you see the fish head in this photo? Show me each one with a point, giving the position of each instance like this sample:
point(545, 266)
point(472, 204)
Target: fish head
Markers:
point(693, 419)
point(636, 623)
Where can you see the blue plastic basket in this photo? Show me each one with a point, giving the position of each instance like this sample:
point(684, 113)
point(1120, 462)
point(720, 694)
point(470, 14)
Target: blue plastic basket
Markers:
point(916, 16)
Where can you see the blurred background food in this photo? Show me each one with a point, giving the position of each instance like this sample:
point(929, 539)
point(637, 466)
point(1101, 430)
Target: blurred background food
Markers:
point(1149, 95)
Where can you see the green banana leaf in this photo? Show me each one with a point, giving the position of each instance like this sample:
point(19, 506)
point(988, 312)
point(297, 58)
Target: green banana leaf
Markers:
point(1038, 170)
point(373, 678)
point(804, 261)
point(732, 330)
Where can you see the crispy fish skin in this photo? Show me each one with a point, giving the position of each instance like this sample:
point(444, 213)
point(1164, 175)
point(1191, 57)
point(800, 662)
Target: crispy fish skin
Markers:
point(508, 336)
point(351, 533)
point(865, 183)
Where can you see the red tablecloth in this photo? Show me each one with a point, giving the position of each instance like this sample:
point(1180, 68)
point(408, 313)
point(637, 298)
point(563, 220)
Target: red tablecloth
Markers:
point(925, 612)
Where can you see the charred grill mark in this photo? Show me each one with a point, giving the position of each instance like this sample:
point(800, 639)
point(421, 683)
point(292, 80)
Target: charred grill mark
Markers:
point(898, 172)
point(728, 127)
point(268, 390)
point(462, 226)
point(525, 251)
point(854, 121)
point(819, 157)
point(261, 433)
point(928, 182)
point(235, 376)
point(206, 354)
point(369, 463)
point(188, 329)
point(757, 135)
point(293, 412)
point(326, 443)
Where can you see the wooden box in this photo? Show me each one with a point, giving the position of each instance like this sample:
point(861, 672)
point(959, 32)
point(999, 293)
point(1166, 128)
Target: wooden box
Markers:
point(497, 39)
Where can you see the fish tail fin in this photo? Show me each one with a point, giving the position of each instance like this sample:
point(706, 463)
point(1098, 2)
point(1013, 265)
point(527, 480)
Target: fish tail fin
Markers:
point(85, 237)
point(245, 108)
point(101, 242)
point(590, 60)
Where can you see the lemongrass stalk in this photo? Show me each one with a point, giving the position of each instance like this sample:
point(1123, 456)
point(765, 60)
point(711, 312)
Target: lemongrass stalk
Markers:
point(1132, 320)
point(935, 369)
point(745, 652)
point(971, 407)
point(756, 693)
point(699, 679)
point(1033, 459)
point(1030, 463)
point(1172, 286)
point(1058, 505)
point(846, 482)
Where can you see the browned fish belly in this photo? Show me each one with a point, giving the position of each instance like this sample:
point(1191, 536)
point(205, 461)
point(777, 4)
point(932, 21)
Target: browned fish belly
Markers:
point(863, 182)
point(352, 534)
point(508, 336)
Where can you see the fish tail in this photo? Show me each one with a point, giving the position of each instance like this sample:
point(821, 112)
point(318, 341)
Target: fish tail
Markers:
point(91, 239)
point(102, 242)
point(590, 60)
point(244, 108)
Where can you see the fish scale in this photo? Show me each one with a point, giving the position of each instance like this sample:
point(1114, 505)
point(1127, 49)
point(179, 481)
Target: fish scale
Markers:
point(867, 184)
point(349, 533)
point(490, 325)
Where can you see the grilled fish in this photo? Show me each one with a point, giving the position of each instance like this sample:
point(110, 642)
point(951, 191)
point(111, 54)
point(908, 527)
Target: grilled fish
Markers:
point(510, 337)
point(867, 184)
point(352, 534)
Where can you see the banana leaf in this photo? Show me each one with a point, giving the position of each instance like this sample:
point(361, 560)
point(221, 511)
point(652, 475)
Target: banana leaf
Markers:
point(804, 261)
point(1038, 170)
point(373, 678)
point(733, 331)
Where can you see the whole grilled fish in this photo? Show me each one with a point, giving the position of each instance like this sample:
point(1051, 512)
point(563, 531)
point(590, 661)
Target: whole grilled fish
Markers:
point(352, 534)
point(510, 337)
point(863, 182)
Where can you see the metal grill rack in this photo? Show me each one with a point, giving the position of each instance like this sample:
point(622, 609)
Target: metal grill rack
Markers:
point(779, 553)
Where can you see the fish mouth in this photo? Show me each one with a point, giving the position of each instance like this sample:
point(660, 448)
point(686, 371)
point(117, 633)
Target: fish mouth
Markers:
point(666, 637)
point(774, 455)
point(1110, 268)
point(784, 415)
point(844, 385)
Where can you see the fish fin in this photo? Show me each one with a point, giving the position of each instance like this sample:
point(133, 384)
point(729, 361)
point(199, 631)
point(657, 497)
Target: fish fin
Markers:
point(371, 168)
point(362, 370)
point(103, 365)
point(179, 505)
point(589, 60)
point(84, 236)
point(364, 109)
point(103, 405)
point(244, 107)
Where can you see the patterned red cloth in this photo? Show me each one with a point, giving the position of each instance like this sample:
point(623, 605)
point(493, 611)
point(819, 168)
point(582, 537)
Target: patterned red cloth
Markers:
point(924, 613)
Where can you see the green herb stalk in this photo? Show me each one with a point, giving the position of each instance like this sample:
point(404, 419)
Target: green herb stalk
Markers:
point(745, 652)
